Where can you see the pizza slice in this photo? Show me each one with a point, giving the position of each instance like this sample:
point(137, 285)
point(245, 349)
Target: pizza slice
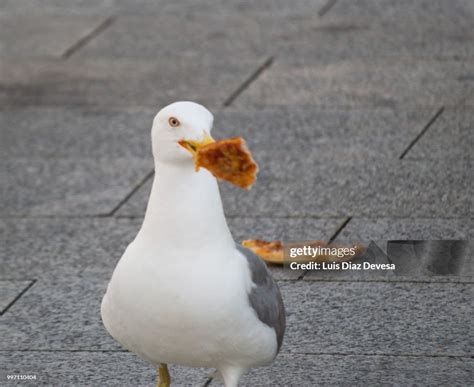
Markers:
point(228, 160)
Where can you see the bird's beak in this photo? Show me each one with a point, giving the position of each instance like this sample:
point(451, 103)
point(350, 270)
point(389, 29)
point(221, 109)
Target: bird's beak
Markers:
point(194, 145)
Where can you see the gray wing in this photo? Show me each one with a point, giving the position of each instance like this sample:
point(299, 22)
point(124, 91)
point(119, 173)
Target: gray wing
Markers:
point(265, 297)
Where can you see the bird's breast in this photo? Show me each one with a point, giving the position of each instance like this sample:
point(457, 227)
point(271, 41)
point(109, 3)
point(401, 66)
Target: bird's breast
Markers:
point(155, 305)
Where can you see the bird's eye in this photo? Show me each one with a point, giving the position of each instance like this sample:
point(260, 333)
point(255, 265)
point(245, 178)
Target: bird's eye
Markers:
point(174, 122)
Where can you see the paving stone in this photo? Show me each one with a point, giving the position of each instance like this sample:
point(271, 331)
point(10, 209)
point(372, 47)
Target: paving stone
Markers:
point(46, 247)
point(470, 184)
point(147, 7)
point(75, 133)
point(401, 189)
point(451, 136)
point(214, 35)
point(127, 135)
point(457, 11)
point(64, 314)
point(53, 7)
point(277, 8)
point(414, 257)
point(87, 7)
point(109, 84)
point(467, 176)
point(445, 256)
point(382, 28)
point(303, 370)
point(396, 229)
point(356, 134)
point(336, 38)
point(378, 318)
point(332, 370)
point(387, 335)
point(9, 290)
point(70, 132)
point(266, 27)
point(406, 82)
point(408, 228)
point(285, 229)
point(62, 186)
point(412, 260)
point(343, 188)
point(34, 36)
point(91, 368)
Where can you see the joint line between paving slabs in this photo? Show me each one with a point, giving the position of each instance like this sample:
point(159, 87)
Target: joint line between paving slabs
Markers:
point(339, 229)
point(330, 240)
point(423, 131)
point(131, 193)
point(87, 38)
point(18, 296)
point(248, 81)
point(326, 7)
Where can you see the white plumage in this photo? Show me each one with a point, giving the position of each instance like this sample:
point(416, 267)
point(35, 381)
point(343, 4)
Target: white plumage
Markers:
point(182, 292)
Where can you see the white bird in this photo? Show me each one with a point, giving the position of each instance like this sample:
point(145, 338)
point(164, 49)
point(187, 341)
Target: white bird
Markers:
point(184, 292)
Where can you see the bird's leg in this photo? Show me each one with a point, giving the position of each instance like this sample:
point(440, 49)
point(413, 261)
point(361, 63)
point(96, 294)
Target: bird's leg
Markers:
point(231, 375)
point(165, 380)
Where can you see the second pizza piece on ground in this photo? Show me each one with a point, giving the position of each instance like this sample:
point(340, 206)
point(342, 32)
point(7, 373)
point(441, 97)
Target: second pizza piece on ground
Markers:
point(274, 251)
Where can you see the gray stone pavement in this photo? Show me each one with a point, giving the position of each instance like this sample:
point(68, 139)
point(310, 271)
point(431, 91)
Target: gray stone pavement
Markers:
point(360, 114)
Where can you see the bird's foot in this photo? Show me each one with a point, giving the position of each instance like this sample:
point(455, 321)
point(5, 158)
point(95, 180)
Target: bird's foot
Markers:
point(164, 375)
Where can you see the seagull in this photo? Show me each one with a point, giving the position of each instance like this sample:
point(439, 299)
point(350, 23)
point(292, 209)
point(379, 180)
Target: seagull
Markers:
point(184, 292)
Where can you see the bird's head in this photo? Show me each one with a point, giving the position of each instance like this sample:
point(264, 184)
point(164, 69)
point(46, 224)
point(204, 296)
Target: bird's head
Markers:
point(185, 122)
